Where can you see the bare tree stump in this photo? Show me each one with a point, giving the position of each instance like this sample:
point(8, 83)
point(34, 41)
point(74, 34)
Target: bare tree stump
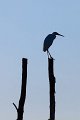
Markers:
point(52, 88)
point(20, 108)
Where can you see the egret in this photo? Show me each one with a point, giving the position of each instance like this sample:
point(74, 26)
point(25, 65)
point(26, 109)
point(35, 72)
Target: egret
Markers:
point(48, 42)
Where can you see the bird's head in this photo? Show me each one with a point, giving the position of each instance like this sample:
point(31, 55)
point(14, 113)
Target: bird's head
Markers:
point(55, 33)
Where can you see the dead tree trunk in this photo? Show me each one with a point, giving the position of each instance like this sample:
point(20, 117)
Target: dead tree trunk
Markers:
point(20, 108)
point(52, 88)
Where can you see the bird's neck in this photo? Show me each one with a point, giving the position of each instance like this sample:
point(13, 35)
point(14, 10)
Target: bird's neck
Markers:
point(54, 36)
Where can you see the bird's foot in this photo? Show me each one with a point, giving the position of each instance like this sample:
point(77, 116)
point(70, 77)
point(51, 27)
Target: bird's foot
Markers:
point(49, 56)
point(52, 58)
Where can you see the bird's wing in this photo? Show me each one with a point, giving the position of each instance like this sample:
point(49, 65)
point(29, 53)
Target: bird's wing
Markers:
point(47, 42)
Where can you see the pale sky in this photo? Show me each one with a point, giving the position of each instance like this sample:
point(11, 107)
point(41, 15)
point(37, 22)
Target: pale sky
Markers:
point(23, 28)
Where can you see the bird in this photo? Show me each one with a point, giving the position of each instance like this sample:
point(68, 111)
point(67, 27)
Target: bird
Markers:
point(48, 42)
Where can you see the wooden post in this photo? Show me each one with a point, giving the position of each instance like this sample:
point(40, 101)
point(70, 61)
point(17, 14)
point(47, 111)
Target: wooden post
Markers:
point(52, 88)
point(20, 108)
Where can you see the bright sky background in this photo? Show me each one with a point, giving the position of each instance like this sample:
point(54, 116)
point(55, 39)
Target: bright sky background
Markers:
point(24, 24)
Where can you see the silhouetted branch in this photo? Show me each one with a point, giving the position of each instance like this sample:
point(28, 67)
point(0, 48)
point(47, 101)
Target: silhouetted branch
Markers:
point(52, 88)
point(15, 106)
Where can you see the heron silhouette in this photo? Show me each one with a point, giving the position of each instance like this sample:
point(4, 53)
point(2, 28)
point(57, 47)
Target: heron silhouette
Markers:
point(48, 42)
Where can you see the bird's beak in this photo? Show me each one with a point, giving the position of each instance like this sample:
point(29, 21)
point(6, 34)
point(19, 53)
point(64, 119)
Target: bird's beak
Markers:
point(60, 35)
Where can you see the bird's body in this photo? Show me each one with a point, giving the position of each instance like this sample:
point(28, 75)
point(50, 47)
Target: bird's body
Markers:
point(48, 41)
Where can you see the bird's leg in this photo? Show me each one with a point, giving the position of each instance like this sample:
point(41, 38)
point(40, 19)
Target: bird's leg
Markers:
point(48, 53)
